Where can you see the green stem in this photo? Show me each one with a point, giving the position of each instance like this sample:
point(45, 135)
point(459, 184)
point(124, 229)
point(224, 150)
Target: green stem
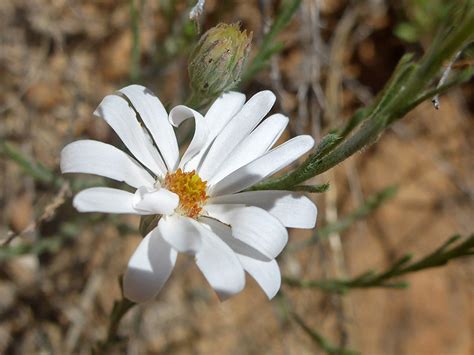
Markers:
point(402, 266)
point(321, 341)
point(119, 310)
point(462, 78)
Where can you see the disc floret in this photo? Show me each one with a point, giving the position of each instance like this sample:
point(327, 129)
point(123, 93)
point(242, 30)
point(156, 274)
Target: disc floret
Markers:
point(190, 188)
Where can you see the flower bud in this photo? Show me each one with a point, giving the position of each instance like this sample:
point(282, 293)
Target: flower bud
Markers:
point(217, 61)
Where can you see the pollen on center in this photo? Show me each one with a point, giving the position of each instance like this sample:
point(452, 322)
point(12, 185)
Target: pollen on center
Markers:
point(190, 188)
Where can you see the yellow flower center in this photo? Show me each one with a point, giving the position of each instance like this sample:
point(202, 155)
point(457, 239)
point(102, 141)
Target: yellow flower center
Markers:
point(190, 189)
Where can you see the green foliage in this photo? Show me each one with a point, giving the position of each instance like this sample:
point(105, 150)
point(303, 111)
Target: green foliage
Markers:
point(448, 251)
point(286, 312)
point(423, 18)
point(322, 342)
point(47, 245)
point(41, 246)
point(411, 82)
point(407, 31)
point(34, 169)
point(311, 188)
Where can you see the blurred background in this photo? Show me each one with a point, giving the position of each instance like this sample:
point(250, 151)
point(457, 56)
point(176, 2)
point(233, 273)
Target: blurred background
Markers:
point(59, 271)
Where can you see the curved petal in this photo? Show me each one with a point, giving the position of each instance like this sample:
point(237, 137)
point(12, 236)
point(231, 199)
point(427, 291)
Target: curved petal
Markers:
point(264, 166)
point(148, 200)
point(217, 117)
point(219, 265)
point(222, 111)
point(265, 271)
point(236, 130)
point(253, 146)
point(181, 233)
point(155, 118)
point(104, 199)
point(123, 120)
point(253, 226)
point(201, 131)
point(149, 268)
point(292, 209)
point(225, 233)
point(93, 157)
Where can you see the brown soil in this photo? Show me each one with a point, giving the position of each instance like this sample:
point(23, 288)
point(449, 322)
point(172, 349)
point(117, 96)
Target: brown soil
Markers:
point(59, 58)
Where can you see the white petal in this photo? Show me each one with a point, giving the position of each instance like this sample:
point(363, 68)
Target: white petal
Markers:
point(253, 226)
point(123, 120)
point(292, 209)
point(148, 200)
point(219, 265)
point(265, 271)
point(149, 268)
point(217, 117)
point(201, 131)
point(93, 157)
point(104, 199)
point(225, 233)
point(264, 166)
point(222, 111)
point(182, 233)
point(154, 116)
point(253, 146)
point(236, 130)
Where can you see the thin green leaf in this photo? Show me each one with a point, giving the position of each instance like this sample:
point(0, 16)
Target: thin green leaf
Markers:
point(441, 256)
point(35, 169)
point(322, 342)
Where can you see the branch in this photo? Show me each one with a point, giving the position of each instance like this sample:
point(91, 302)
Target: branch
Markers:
point(404, 91)
point(441, 256)
point(322, 342)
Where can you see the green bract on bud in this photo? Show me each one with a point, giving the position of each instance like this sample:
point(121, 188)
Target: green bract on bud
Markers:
point(217, 61)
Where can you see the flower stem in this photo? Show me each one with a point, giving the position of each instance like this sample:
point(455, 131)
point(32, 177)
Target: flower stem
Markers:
point(119, 310)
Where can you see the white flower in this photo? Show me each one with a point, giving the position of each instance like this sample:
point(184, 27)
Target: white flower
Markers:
point(203, 211)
